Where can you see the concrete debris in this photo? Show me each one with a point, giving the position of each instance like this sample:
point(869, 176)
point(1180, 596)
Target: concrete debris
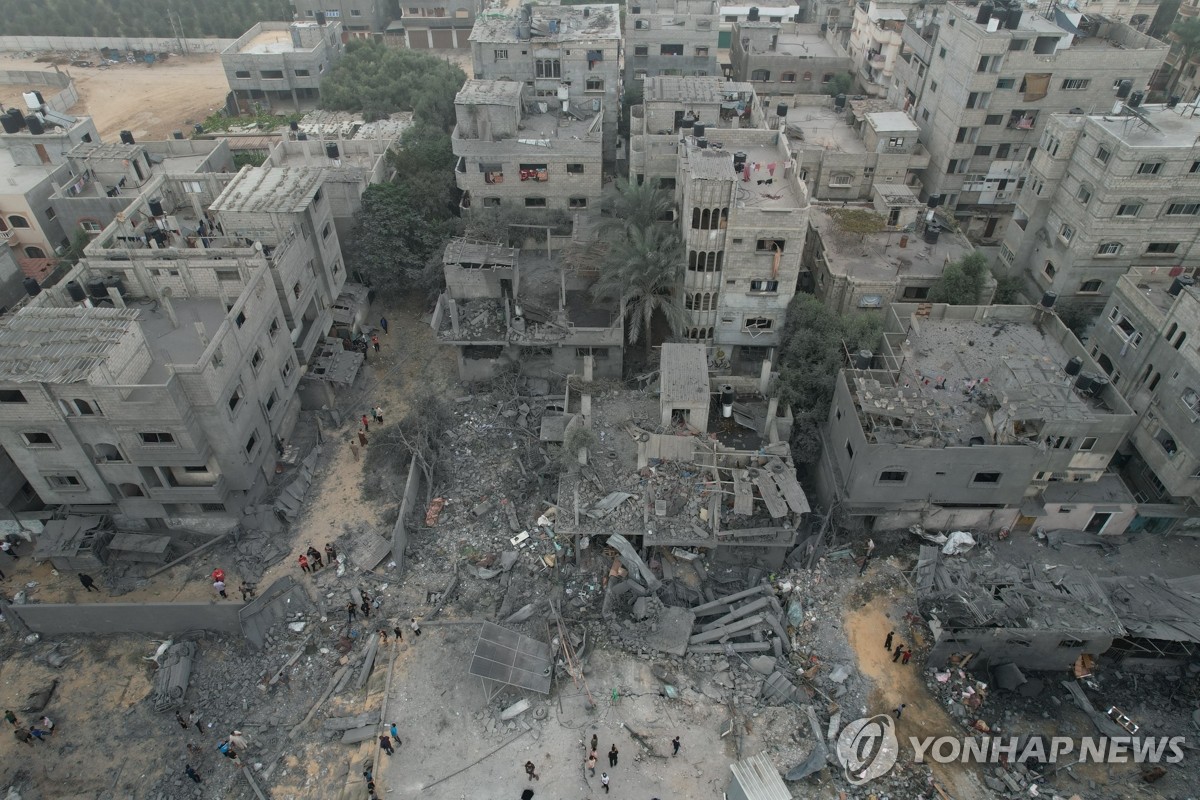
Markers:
point(633, 562)
point(515, 710)
point(38, 700)
point(839, 674)
point(763, 665)
point(610, 503)
point(346, 723)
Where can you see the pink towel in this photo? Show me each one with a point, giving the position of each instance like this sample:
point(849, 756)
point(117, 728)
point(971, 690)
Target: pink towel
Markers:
point(771, 168)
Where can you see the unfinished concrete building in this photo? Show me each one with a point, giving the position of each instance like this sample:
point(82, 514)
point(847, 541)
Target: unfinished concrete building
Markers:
point(561, 53)
point(784, 59)
point(360, 19)
point(964, 412)
point(518, 151)
point(1001, 614)
point(874, 46)
point(670, 37)
point(866, 272)
point(983, 81)
point(504, 307)
point(1143, 345)
point(1106, 193)
point(280, 64)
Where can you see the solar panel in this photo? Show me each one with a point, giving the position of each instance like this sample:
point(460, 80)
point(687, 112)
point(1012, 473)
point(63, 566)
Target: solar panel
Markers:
point(509, 657)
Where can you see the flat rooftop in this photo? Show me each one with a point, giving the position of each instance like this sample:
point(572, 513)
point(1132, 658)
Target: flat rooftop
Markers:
point(552, 123)
point(684, 374)
point(879, 256)
point(259, 189)
point(764, 189)
point(275, 41)
point(892, 122)
point(20, 178)
point(180, 344)
point(1153, 284)
point(693, 89)
point(1157, 126)
point(486, 92)
point(789, 42)
point(551, 23)
point(817, 126)
point(354, 154)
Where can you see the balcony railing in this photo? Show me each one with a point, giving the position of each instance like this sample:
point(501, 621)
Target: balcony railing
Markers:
point(5, 235)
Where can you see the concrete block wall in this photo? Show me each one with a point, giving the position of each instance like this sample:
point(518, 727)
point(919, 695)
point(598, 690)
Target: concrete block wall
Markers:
point(123, 43)
point(59, 619)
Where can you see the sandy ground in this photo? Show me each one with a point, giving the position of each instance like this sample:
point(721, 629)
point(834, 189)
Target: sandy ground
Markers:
point(149, 100)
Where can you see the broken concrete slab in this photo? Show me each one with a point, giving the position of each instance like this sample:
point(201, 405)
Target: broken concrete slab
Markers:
point(356, 735)
point(633, 562)
point(607, 505)
point(671, 632)
point(515, 710)
point(840, 673)
point(777, 689)
point(521, 614)
point(347, 723)
point(763, 665)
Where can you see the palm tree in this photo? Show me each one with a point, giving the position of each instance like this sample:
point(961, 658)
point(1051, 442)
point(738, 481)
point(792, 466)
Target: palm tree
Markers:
point(628, 205)
point(1187, 36)
point(643, 269)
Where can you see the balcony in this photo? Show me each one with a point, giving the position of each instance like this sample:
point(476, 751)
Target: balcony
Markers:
point(214, 493)
point(6, 236)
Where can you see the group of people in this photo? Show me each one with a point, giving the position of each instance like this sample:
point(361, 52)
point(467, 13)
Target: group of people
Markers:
point(590, 763)
point(311, 560)
point(229, 746)
point(33, 732)
point(900, 652)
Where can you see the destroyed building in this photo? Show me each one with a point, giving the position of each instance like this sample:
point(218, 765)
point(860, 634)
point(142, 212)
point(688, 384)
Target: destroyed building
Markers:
point(519, 151)
point(1030, 615)
point(563, 53)
point(1160, 620)
point(505, 307)
point(158, 382)
point(962, 413)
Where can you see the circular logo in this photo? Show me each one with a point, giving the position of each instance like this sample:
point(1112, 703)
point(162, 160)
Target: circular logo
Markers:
point(867, 748)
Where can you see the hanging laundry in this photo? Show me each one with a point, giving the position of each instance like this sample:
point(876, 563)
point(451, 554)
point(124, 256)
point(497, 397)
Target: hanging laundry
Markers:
point(746, 173)
point(771, 168)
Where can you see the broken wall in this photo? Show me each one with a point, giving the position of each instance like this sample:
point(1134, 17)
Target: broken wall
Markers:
point(412, 486)
point(1029, 649)
point(53, 619)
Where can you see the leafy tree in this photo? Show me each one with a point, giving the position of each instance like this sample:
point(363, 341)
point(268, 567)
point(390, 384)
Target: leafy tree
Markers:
point(420, 435)
point(961, 281)
point(858, 220)
point(378, 80)
point(628, 205)
point(1009, 291)
point(1186, 35)
point(1077, 316)
point(815, 340)
point(642, 270)
point(842, 83)
point(249, 158)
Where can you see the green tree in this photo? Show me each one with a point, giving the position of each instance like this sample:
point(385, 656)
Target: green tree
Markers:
point(628, 205)
point(842, 83)
point(642, 271)
point(814, 343)
point(1187, 37)
point(377, 81)
point(1009, 291)
point(1076, 316)
point(858, 220)
point(961, 281)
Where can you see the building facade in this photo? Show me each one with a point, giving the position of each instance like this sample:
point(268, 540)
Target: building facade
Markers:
point(670, 37)
point(962, 413)
point(784, 59)
point(874, 46)
point(983, 82)
point(360, 19)
point(554, 50)
point(280, 64)
point(516, 151)
point(1106, 193)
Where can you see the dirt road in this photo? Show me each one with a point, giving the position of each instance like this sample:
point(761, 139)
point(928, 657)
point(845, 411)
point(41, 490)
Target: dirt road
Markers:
point(151, 101)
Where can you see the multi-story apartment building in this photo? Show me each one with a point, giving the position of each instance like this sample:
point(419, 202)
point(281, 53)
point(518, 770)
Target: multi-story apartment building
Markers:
point(784, 59)
point(1178, 78)
point(434, 24)
point(983, 83)
point(518, 151)
point(505, 307)
point(1145, 342)
point(1106, 193)
point(670, 37)
point(962, 414)
point(729, 15)
point(360, 19)
point(279, 63)
point(552, 49)
point(874, 45)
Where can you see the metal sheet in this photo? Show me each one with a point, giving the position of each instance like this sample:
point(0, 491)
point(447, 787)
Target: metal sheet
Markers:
point(512, 658)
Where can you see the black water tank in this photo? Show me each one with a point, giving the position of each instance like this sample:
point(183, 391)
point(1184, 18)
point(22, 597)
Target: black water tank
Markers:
point(934, 201)
point(753, 15)
point(862, 359)
point(177, 134)
point(1124, 88)
point(698, 131)
point(839, 102)
point(96, 288)
point(198, 128)
point(781, 110)
point(932, 232)
point(985, 13)
point(156, 207)
point(701, 142)
point(1014, 17)
point(116, 283)
point(1173, 100)
point(1178, 284)
point(739, 162)
point(1048, 299)
point(1074, 366)
point(331, 150)
point(10, 124)
point(1135, 98)
point(75, 291)
point(1099, 384)
point(34, 123)
point(302, 136)
point(32, 288)
point(976, 441)
point(1084, 382)
point(294, 125)
point(127, 137)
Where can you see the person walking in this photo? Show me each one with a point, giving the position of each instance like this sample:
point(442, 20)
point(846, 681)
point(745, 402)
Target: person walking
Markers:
point(366, 609)
point(183, 723)
point(595, 742)
point(194, 719)
point(395, 734)
point(896, 653)
point(379, 414)
point(604, 781)
point(531, 771)
point(416, 627)
point(23, 736)
point(351, 612)
point(887, 643)
point(37, 733)
point(385, 742)
point(399, 633)
point(366, 423)
point(368, 776)
point(48, 724)
point(898, 710)
point(591, 763)
point(191, 773)
point(314, 558)
point(383, 324)
point(383, 637)
point(219, 588)
point(375, 343)
point(675, 746)
point(9, 549)
point(612, 756)
point(330, 554)
point(907, 655)
point(88, 582)
point(303, 561)
point(362, 438)
point(247, 590)
point(12, 718)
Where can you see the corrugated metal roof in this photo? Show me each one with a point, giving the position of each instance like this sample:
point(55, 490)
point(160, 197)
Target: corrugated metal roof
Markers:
point(759, 779)
point(59, 345)
point(684, 374)
point(263, 190)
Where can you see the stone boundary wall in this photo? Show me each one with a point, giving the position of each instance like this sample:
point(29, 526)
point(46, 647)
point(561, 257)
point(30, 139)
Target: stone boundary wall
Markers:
point(53, 619)
point(157, 45)
point(60, 102)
